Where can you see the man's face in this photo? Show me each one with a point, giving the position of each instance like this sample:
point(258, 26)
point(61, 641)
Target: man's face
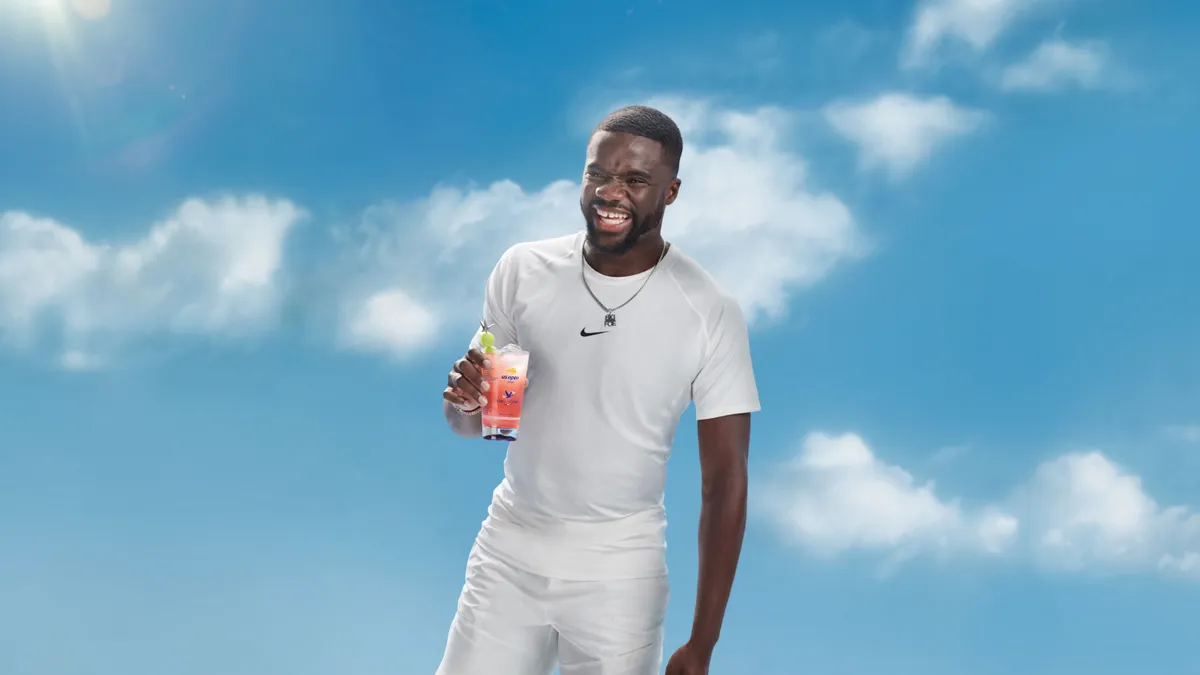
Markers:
point(627, 185)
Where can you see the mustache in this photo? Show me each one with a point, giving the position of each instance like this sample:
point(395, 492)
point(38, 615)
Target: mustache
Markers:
point(602, 203)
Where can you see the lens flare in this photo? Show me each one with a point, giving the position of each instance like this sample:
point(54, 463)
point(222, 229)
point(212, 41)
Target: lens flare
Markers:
point(92, 10)
point(57, 11)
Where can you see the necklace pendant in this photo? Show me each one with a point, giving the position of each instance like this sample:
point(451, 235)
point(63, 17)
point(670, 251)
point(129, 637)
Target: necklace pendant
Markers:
point(610, 320)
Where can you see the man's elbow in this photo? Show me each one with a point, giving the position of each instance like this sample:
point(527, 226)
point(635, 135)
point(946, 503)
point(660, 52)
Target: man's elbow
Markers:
point(731, 487)
point(462, 432)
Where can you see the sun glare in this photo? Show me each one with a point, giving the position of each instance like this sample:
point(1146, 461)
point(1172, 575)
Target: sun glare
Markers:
point(92, 10)
point(57, 10)
point(49, 11)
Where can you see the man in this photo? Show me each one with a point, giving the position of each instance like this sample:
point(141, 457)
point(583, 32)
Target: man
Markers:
point(623, 331)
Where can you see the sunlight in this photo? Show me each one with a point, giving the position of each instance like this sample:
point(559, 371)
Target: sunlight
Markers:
point(91, 10)
point(56, 16)
point(51, 12)
point(56, 11)
point(44, 6)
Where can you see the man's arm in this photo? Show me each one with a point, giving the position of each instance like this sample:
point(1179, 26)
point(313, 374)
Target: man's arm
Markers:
point(724, 452)
point(467, 388)
point(465, 383)
point(467, 426)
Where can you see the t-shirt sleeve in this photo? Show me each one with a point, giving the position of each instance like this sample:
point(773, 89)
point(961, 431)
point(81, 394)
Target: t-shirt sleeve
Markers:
point(497, 296)
point(725, 384)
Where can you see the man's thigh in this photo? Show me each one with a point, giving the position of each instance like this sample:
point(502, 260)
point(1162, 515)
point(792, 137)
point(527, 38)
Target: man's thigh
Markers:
point(611, 627)
point(501, 627)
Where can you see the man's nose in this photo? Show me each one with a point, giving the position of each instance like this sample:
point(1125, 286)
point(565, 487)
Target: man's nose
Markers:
point(610, 191)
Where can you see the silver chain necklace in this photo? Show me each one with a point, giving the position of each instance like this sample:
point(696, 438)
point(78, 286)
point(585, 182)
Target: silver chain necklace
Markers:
point(610, 317)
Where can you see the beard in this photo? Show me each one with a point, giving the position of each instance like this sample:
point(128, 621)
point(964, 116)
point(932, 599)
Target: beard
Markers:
point(640, 225)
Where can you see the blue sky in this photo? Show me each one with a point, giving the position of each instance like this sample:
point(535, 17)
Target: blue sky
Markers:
point(241, 243)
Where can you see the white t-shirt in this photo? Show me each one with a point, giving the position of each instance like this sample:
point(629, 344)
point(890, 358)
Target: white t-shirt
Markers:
point(582, 495)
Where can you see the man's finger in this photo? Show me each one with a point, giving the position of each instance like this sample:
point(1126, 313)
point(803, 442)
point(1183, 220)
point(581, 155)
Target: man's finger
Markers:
point(462, 400)
point(470, 391)
point(470, 372)
point(477, 357)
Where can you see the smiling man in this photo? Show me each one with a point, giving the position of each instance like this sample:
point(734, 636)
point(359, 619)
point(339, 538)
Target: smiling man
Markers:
point(624, 331)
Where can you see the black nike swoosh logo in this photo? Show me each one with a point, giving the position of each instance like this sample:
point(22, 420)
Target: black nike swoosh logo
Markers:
point(583, 332)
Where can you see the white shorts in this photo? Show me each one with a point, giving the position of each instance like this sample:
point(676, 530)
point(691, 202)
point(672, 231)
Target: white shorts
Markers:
point(511, 622)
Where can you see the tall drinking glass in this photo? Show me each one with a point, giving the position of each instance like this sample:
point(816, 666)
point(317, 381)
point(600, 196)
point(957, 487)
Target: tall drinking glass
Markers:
point(506, 378)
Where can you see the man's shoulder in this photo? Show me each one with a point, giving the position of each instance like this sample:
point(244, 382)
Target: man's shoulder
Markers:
point(539, 251)
point(702, 289)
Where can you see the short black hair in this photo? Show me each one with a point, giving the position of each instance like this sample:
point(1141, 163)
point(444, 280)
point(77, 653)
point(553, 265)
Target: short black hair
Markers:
point(640, 120)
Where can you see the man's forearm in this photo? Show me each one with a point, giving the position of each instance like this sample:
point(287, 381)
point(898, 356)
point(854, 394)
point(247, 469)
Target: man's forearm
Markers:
point(467, 426)
point(722, 527)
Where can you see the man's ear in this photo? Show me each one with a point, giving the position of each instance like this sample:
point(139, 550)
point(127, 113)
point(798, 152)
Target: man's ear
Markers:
point(673, 191)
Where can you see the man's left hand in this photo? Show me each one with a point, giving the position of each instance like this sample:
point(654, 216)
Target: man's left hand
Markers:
point(687, 660)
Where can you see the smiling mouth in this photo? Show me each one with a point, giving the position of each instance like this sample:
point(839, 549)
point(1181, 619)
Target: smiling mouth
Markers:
point(611, 220)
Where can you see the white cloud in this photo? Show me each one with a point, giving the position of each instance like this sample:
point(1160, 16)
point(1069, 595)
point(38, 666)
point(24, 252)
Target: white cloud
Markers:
point(211, 268)
point(389, 320)
point(977, 23)
point(1184, 433)
point(80, 361)
point(1056, 64)
point(746, 212)
point(845, 40)
point(1084, 511)
point(837, 495)
point(897, 132)
point(1078, 512)
point(761, 52)
point(949, 453)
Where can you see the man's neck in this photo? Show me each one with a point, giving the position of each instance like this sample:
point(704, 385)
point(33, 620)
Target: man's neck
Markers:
point(644, 255)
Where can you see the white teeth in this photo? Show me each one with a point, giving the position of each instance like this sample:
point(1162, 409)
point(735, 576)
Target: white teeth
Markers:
point(615, 216)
